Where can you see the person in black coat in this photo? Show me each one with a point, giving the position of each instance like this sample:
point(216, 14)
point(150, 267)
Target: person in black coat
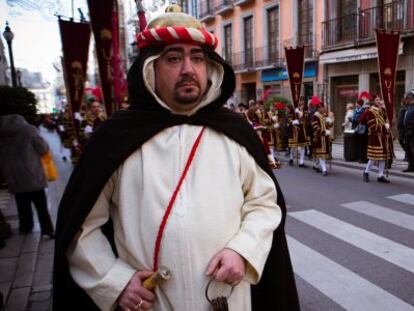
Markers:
point(406, 129)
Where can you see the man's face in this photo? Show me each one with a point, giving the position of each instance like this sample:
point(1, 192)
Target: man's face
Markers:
point(321, 109)
point(409, 100)
point(181, 76)
point(96, 108)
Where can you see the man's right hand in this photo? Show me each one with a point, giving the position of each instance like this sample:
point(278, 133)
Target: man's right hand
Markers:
point(134, 294)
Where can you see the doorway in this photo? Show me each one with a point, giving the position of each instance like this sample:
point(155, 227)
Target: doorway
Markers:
point(344, 90)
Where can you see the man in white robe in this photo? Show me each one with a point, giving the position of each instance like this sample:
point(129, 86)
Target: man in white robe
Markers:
point(223, 219)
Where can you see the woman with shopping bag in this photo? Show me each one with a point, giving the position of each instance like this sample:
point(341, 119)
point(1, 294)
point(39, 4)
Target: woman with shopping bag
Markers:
point(21, 149)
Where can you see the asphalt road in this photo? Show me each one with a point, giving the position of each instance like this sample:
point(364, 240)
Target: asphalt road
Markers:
point(351, 243)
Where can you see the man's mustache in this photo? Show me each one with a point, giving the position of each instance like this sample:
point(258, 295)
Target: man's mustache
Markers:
point(186, 81)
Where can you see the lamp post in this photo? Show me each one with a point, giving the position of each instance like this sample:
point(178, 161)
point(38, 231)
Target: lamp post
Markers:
point(9, 35)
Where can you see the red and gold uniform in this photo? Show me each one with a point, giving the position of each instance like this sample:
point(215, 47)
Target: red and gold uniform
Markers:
point(297, 136)
point(321, 140)
point(379, 136)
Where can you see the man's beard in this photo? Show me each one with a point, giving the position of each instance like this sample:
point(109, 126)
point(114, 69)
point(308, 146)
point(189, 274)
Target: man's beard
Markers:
point(187, 98)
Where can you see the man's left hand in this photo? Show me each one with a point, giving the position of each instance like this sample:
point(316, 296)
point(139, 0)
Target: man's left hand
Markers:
point(227, 266)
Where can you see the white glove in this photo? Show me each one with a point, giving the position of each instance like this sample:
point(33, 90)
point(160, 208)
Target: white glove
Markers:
point(277, 125)
point(295, 122)
point(328, 120)
point(327, 133)
point(75, 143)
point(300, 113)
point(88, 129)
point(61, 128)
point(387, 126)
point(77, 116)
point(274, 118)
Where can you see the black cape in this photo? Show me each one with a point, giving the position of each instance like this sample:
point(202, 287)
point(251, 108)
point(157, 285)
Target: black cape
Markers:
point(119, 137)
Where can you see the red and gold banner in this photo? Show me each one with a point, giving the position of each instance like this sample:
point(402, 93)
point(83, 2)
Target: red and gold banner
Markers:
point(120, 83)
point(295, 60)
point(388, 45)
point(75, 45)
point(101, 13)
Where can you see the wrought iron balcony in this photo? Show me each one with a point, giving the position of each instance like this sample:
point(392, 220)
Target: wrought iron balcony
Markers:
point(360, 26)
point(388, 16)
point(308, 40)
point(243, 61)
point(339, 31)
point(227, 56)
point(267, 56)
point(206, 11)
point(224, 6)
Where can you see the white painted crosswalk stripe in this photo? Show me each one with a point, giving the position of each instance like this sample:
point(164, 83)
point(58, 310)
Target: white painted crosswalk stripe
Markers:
point(386, 249)
point(385, 214)
point(343, 286)
point(404, 198)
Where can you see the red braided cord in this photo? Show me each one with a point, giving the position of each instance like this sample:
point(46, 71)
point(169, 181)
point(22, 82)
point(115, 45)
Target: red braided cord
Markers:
point(173, 197)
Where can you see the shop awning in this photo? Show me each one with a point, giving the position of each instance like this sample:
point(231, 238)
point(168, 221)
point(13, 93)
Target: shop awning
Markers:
point(354, 54)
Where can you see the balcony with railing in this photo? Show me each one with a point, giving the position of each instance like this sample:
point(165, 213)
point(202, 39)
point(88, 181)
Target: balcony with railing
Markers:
point(359, 27)
point(206, 11)
point(308, 40)
point(243, 61)
point(224, 6)
point(267, 56)
point(227, 56)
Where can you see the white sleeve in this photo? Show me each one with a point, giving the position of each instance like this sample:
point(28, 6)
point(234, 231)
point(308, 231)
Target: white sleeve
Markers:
point(260, 217)
point(92, 263)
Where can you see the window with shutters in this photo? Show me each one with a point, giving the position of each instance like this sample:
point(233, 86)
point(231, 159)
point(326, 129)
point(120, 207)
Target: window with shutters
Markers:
point(248, 41)
point(273, 33)
point(228, 41)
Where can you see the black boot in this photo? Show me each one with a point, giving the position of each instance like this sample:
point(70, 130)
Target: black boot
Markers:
point(383, 180)
point(366, 177)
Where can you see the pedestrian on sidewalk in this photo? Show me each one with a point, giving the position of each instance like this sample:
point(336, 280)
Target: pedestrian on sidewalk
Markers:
point(379, 147)
point(21, 148)
point(361, 132)
point(407, 130)
point(176, 150)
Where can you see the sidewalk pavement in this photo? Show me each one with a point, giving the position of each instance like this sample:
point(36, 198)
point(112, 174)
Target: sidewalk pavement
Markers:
point(26, 262)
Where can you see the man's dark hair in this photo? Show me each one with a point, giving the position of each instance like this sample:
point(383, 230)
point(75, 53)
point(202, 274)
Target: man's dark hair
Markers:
point(242, 105)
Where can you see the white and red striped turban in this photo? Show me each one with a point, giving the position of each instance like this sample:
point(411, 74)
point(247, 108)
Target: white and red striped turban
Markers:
point(172, 28)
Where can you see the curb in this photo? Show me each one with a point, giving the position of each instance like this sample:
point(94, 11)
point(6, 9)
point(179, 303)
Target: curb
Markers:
point(356, 167)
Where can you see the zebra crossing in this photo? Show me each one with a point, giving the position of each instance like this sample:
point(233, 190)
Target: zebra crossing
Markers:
point(342, 284)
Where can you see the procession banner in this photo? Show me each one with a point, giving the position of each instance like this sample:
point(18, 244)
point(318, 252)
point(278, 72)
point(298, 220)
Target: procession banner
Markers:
point(388, 45)
point(101, 12)
point(295, 60)
point(119, 82)
point(75, 46)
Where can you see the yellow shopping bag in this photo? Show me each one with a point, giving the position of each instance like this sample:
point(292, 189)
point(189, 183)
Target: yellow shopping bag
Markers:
point(49, 166)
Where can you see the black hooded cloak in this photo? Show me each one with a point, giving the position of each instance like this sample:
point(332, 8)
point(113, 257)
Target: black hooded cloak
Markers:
point(116, 139)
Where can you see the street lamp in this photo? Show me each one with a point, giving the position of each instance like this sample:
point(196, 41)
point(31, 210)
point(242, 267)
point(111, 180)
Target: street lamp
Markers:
point(9, 35)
